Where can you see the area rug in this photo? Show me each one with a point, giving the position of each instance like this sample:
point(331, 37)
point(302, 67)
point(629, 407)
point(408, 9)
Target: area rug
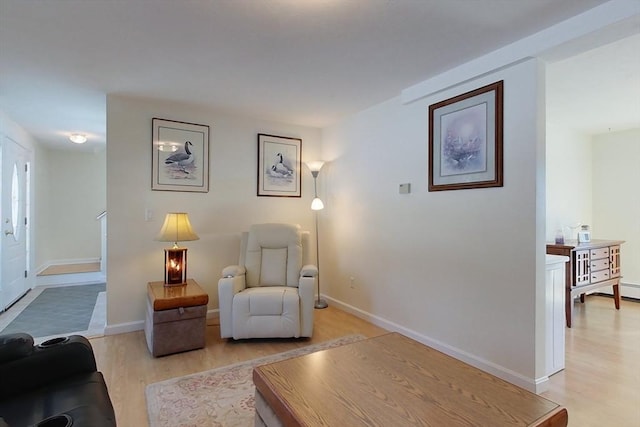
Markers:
point(57, 310)
point(220, 397)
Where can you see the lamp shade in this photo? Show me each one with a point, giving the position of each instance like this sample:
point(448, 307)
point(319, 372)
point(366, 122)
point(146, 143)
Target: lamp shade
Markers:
point(176, 228)
point(315, 166)
point(316, 204)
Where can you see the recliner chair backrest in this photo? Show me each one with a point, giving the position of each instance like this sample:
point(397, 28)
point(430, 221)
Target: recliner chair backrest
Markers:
point(274, 255)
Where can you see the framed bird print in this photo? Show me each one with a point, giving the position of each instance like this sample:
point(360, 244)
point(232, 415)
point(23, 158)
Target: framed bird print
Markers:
point(180, 156)
point(279, 166)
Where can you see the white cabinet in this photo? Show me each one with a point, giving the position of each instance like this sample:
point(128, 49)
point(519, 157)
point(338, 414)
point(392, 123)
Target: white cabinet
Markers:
point(555, 313)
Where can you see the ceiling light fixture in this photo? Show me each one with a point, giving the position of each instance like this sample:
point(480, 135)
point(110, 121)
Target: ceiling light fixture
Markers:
point(78, 138)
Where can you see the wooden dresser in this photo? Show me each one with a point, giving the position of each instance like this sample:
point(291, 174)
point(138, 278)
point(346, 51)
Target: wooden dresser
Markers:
point(591, 266)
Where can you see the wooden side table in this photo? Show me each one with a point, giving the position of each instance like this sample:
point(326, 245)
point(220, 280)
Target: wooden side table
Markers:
point(592, 265)
point(176, 317)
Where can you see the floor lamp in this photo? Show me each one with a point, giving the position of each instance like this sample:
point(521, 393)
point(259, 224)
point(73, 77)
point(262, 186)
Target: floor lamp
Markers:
point(317, 205)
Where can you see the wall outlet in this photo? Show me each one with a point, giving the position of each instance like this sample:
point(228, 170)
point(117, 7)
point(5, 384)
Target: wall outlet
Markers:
point(352, 282)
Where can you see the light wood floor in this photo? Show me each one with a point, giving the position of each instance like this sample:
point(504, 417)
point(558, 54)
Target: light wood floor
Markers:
point(599, 387)
point(87, 267)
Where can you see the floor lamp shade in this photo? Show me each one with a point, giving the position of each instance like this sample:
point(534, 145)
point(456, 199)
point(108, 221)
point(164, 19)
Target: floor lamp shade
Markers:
point(176, 228)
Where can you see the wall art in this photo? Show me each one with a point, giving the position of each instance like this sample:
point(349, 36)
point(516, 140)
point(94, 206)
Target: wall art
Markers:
point(180, 156)
point(279, 166)
point(465, 140)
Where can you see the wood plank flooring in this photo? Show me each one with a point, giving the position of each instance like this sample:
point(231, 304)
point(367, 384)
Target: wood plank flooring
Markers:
point(599, 387)
point(86, 267)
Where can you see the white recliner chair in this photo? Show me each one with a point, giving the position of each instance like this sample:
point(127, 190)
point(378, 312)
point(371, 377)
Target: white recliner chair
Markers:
point(270, 293)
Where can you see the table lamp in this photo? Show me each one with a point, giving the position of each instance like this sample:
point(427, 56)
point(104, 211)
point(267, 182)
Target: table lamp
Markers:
point(176, 228)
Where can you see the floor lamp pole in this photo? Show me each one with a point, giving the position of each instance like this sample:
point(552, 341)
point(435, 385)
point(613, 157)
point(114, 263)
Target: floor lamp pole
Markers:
point(320, 303)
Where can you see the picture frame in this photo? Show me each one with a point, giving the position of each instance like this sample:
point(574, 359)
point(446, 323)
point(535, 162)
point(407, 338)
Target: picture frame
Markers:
point(180, 156)
point(465, 140)
point(279, 166)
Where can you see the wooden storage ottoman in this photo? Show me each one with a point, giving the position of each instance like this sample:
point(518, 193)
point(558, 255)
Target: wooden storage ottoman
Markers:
point(176, 318)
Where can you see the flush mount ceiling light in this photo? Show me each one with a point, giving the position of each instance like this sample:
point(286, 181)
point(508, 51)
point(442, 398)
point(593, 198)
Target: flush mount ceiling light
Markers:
point(78, 138)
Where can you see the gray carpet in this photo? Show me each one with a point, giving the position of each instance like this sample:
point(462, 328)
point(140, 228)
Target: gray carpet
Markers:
point(57, 310)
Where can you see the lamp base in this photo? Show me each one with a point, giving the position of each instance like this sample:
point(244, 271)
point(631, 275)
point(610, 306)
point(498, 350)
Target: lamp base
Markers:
point(320, 303)
point(171, 285)
point(175, 266)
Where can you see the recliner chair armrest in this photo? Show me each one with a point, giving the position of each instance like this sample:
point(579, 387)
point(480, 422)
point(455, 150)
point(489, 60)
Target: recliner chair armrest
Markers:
point(15, 346)
point(227, 288)
point(233, 271)
point(47, 364)
point(309, 270)
point(306, 290)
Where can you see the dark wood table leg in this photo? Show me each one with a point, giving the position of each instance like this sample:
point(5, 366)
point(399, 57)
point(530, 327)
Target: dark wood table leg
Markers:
point(616, 295)
point(568, 305)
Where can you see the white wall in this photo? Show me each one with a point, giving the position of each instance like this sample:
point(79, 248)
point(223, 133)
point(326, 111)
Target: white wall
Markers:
point(75, 193)
point(459, 270)
point(569, 180)
point(616, 196)
point(231, 205)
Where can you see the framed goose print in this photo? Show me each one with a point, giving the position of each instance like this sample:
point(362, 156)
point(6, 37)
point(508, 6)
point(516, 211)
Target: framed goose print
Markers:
point(279, 166)
point(465, 140)
point(180, 156)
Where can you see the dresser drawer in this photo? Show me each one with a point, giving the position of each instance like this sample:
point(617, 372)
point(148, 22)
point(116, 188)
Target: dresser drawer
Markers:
point(599, 264)
point(600, 253)
point(599, 276)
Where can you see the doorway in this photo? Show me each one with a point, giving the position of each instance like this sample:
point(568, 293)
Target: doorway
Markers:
point(593, 135)
point(14, 213)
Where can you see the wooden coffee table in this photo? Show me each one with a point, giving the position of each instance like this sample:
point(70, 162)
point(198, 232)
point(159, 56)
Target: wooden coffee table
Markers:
point(392, 380)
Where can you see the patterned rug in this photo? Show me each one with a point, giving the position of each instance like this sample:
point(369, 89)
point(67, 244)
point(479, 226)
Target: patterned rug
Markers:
point(219, 397)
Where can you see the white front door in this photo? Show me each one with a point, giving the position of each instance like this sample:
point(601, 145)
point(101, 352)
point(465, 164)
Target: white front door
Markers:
point(14, 214)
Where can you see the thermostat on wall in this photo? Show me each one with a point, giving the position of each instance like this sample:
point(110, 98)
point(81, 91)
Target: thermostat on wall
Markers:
point(405, 188)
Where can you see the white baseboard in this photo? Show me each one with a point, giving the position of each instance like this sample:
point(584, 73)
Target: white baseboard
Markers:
point(538, 385)
point(629, 290)
point(123, 328)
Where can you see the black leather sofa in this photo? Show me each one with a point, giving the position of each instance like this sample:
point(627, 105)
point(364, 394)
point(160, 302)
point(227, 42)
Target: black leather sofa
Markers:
point(54, 384)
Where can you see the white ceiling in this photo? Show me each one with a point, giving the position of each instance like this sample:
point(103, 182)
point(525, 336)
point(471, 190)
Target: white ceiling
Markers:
point(309, 62)
point(597, 91)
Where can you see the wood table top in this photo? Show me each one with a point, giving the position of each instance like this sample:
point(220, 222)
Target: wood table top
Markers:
point(575, 245)
point(164, 297)
point(392, 380)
